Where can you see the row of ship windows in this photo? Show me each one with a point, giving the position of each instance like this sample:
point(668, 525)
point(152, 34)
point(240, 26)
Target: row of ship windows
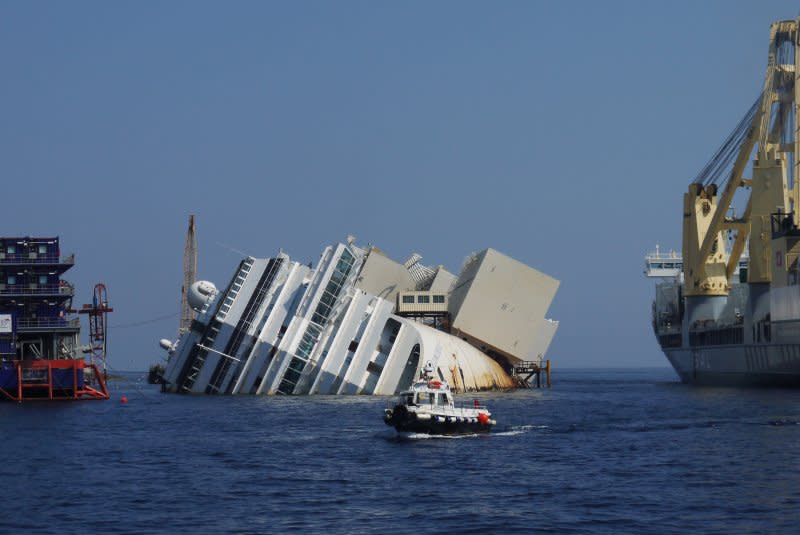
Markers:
point(226, 305)
point(332, 289)
point(12, 249)
point(320, 317)
point(423, 299)
point(12, 279)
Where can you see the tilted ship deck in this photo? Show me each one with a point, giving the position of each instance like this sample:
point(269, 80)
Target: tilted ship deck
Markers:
point(727, 312)
point(360, 323)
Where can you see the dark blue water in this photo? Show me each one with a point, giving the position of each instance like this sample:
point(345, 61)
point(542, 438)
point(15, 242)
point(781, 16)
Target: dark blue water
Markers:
point(602, 451)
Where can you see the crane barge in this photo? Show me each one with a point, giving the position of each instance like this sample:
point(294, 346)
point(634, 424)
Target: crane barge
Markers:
point(727, 312)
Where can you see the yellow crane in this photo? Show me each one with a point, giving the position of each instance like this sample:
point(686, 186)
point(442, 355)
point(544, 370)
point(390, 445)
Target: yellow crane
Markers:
point(767, 136)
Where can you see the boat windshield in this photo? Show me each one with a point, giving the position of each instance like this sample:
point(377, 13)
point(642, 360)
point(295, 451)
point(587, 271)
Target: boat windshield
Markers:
point(424, 398)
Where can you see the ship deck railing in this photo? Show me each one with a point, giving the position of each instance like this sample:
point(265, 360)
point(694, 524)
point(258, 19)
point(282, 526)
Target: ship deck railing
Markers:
point(35, 258)
point(526, 370)
point(48, 323)
point(38, 289)
point(45, 379)
point(528, 366)
point(455, 410)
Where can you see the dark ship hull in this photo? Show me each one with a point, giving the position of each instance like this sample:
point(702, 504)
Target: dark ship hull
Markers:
point(774, 365)
point(405, 421)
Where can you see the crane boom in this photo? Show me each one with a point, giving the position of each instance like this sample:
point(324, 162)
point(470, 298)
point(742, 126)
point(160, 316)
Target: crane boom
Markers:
point(189, 276)
point(770, 129)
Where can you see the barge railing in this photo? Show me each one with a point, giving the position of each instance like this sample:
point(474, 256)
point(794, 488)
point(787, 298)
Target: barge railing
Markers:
point(23, 380)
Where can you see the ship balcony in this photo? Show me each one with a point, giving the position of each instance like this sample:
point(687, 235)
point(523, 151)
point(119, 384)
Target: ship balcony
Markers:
point(39, 290)
point(43, 259)
point(47, 324)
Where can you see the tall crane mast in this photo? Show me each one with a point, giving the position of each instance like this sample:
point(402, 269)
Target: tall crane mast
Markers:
point(189, 276)
point(770, 130)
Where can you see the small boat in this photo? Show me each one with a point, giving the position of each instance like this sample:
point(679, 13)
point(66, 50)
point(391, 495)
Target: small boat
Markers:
point(428, 407)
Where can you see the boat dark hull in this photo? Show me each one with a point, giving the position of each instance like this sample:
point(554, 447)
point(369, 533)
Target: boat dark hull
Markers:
point(407, 422)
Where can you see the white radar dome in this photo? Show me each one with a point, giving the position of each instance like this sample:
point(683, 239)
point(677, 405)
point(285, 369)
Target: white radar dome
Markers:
point(200, 293)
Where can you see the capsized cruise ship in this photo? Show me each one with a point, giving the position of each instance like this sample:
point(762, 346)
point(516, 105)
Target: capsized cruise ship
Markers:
point(727, 310)
point(361, 323)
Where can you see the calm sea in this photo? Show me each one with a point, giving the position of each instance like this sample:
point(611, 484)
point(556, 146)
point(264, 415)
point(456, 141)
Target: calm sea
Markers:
point(601, 451)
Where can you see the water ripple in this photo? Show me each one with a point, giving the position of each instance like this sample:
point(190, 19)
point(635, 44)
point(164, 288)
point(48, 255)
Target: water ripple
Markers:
point(599, 452)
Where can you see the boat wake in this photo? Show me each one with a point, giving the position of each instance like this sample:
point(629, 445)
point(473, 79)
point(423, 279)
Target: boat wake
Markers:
point(783, 421)
point(508, 432)
point(426, 436)
point(518, 430)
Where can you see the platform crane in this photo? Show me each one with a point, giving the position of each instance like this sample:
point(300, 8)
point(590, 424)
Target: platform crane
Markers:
point(98, 311)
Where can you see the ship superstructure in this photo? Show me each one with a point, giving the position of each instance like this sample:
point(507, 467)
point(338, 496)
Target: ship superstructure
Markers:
point(34, 299)
point(731, 315)
point(361, 323)
point(39, 335)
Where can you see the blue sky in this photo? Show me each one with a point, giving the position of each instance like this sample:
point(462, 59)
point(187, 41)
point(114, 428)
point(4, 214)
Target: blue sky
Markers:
point(561, 133)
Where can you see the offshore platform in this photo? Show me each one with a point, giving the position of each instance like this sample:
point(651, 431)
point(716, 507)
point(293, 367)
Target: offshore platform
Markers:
point(40, 355)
